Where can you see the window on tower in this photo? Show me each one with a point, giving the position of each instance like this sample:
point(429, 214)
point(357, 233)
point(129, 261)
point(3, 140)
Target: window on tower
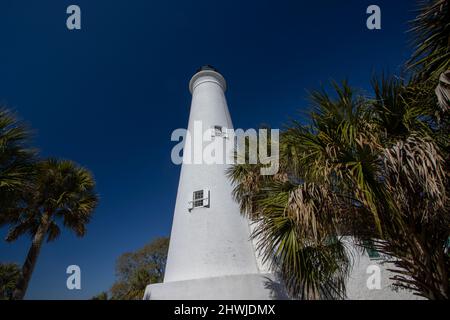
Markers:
point(200, 198)
point(371, 250)
point(219, 131)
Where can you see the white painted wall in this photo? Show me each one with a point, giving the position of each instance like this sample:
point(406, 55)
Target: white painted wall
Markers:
point(214, 241)
point(257, 286)
point(357, 288)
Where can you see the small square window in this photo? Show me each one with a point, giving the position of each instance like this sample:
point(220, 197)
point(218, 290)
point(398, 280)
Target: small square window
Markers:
point(219, 131)
point(371, 250)
point(200, 198)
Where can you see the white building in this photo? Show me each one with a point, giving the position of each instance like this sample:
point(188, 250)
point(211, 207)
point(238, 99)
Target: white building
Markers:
point(211, 255)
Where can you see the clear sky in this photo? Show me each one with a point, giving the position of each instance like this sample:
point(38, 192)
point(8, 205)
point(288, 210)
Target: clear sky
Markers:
point(109, 96)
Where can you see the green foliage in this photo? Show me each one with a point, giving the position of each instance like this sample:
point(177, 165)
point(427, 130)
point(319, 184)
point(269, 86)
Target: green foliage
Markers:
point(101, 296)
point(431, 30)
point(9, 275)
point(369, 168)
point(16, 162)
point(62, 190)
point(135, 270)
point(59, 191)
point(34, 194)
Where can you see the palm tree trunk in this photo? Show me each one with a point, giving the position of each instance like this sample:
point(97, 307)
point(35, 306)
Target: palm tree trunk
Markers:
point(30, 262)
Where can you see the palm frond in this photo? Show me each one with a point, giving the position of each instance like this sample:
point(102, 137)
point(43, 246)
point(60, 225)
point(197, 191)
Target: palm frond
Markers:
point(431, 30)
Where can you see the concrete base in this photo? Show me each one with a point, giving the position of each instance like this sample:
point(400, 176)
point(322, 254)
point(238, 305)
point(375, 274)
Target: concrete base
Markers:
point(233, 287)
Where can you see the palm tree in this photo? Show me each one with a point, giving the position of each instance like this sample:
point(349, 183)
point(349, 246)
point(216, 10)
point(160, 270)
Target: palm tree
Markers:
point(369, 169)
point(431, 58)
point(9, 274)
point(60, 190)
point(294, 219)
point(16, 161)
point(431, 30)
point(443, 90)
point(374, 169)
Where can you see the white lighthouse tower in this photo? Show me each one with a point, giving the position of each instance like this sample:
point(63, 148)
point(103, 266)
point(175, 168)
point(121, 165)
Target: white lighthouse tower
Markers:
point(211, 255)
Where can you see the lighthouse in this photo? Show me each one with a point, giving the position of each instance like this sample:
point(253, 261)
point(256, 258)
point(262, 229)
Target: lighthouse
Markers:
point(211, 253)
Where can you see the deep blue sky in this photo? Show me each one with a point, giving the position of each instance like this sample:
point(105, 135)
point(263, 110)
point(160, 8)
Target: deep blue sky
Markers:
point(110, 95)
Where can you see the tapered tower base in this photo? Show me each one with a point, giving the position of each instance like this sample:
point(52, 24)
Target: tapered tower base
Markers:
point(234, 287)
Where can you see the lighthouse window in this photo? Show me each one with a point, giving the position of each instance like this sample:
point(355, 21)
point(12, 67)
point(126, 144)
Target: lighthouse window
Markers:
point(371, 251)
point(200, 199)
point(219, 131)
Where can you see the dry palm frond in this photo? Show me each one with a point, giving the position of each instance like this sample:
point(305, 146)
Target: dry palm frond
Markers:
point(417, 163)
point(431, 30)
point(443, 91)
point(312, 208)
